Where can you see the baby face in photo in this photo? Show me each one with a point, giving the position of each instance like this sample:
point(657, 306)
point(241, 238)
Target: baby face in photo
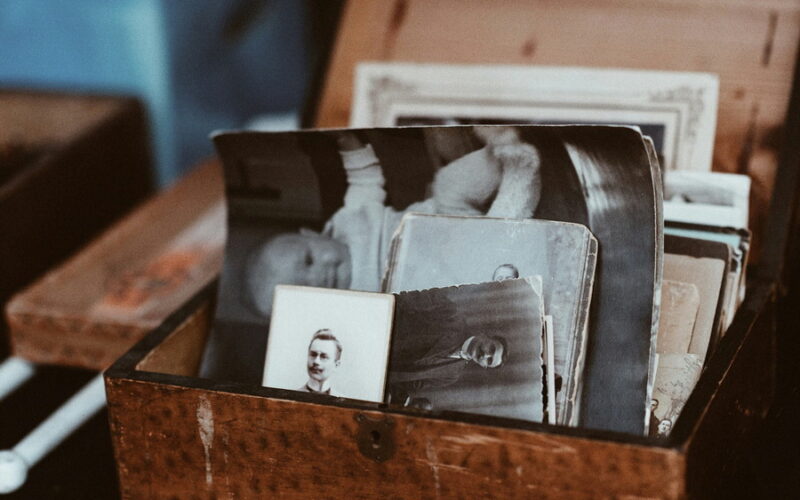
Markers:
point(304, 258)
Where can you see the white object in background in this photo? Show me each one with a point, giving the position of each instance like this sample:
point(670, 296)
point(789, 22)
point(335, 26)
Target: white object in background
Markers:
point(710, 198)
point(15, 463)
point(14, 372)
point(275, 122)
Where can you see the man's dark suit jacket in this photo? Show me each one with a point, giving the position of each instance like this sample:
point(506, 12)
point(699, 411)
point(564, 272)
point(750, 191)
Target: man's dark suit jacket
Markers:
point(425, 335)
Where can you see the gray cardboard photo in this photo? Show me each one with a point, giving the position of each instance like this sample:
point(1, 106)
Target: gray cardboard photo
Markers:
point(470, 348)
point(481, 249)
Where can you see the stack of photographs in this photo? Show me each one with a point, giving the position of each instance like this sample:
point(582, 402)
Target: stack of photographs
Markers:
point(706, 249)
point(483, 255)
point(520, 227)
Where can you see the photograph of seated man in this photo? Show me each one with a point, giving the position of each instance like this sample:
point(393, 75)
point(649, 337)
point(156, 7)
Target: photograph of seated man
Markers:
point(471, 348)
point(324, 359)
point(440, 362)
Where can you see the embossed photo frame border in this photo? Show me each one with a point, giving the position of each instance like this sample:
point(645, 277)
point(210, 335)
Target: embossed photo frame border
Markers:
point(682, 106)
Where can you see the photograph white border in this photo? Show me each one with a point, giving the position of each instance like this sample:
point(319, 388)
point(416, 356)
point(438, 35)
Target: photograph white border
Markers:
point(684, 103)
point(362, 322)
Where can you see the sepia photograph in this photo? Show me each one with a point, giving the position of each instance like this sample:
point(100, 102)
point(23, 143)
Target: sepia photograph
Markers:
point(329, 342)
point(601, 177)
point(678, 110)
point(471, 348)
point(484, 249)
point(676, 376)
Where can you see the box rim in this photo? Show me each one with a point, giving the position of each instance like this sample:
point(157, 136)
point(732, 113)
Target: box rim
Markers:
point(759, 293)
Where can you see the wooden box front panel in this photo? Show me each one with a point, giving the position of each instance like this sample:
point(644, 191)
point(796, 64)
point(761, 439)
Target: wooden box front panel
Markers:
point(176, 435)
point(176, 441)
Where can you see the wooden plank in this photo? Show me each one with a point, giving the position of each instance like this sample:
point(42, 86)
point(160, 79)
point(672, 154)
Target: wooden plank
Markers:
point(175, 441)
point(180, 353)
point(91, 309)
point(37, 118)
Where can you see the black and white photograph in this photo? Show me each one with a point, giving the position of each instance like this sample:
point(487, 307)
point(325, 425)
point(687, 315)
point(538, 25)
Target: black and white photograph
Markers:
point(470, 348)
point(713, 198)
point(678, 110)
point(597, 176)
point(329, 342)
point(487, 249)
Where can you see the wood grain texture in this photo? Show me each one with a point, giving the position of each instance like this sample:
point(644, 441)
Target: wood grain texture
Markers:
point(181, 351)
point(91, 309)
point(175, 442)
point(751, 46)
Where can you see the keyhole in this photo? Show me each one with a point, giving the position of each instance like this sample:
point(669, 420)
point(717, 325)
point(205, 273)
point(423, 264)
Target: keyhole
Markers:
point(376, 439)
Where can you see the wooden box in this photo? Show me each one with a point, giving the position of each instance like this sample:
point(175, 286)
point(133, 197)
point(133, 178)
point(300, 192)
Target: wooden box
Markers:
point(82, 162)
point(96, 305)
point(178, 436)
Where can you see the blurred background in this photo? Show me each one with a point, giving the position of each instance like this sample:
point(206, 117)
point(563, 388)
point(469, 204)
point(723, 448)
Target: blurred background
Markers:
point(197, 65)
point(71, 164)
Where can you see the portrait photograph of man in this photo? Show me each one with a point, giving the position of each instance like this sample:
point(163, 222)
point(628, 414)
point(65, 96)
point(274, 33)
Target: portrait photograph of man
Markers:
point(471, 348)
point(324, 357)
point(329, 342)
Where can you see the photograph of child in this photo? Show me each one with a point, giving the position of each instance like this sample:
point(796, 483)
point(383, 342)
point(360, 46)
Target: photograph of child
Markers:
point(496, 175)
point(349, 252)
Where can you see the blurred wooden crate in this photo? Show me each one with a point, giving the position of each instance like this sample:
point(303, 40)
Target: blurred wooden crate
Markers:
point(91, 309)
point(71, 165)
